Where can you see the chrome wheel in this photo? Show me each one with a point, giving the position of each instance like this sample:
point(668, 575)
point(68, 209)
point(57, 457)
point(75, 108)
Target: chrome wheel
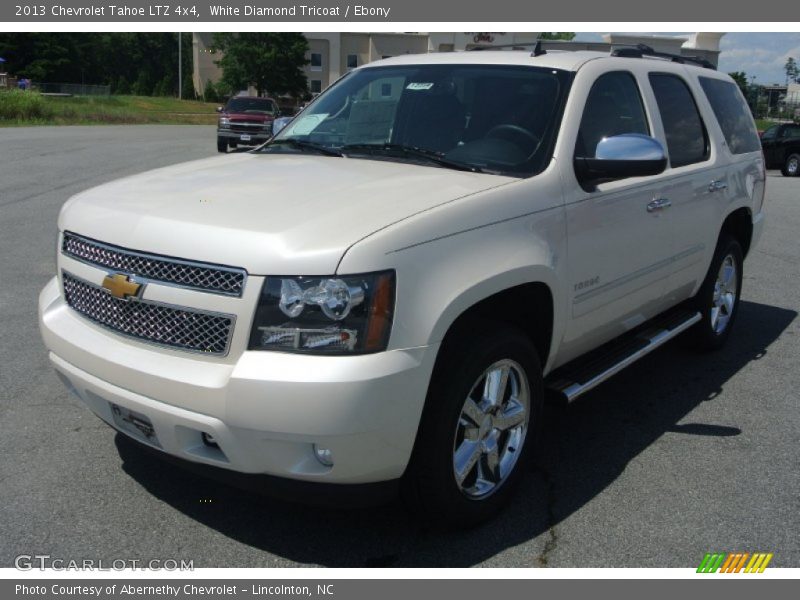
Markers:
point(724, 295)
point(491, 429)
point(792, 166)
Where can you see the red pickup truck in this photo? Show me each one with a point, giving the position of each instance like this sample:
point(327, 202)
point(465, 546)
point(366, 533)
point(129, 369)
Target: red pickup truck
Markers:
point(246, 121)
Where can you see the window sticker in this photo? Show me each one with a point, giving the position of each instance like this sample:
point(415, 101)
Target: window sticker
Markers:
point(419, 86)
point(305, 125)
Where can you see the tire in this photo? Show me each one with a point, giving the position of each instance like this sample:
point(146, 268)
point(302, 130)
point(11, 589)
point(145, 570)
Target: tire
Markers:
point(791, 167)
point(222, 145)
point(447, 434)
point(718, 297)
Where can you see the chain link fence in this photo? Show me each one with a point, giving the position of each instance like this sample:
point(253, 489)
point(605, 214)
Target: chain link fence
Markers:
point(72, 89)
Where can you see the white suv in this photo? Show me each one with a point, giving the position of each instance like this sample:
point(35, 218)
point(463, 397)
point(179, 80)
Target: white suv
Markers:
point(380, 296)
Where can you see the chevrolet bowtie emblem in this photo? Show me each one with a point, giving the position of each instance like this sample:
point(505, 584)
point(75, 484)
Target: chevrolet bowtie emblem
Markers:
point(121, 286)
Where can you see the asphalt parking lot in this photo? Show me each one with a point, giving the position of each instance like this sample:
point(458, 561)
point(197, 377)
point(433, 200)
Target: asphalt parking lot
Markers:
point(680, 455)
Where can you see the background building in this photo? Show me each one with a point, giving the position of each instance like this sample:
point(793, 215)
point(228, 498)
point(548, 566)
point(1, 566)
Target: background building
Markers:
point(331, 55)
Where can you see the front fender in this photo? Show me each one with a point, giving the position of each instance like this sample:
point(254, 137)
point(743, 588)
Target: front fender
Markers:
point(440, 277)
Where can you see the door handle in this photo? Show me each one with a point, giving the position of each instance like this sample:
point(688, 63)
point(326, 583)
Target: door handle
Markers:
point(717, 186)
point(658, 204)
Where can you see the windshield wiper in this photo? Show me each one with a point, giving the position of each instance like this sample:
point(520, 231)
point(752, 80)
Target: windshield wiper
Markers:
point(409, 151)
point(305, 146)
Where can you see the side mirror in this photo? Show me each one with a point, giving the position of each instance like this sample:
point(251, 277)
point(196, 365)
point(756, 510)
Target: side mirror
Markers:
point(622, 156)
point(219, 109)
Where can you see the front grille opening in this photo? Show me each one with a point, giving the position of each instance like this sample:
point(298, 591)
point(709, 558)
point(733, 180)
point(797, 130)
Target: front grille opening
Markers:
point(181, 328)
point(199, 276)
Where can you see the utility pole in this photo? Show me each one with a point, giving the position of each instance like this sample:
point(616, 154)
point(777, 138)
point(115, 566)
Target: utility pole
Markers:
point(180, 67)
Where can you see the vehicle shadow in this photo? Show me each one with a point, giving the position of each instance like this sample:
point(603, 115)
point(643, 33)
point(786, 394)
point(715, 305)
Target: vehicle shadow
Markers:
point(584, 449)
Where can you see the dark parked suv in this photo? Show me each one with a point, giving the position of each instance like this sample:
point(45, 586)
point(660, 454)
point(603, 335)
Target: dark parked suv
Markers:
point(781, 145)
point(245, 121)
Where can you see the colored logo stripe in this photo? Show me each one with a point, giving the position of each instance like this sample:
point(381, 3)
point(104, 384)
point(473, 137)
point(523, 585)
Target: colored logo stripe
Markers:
point(710, 563)
point(758, 563)
point(734, 562)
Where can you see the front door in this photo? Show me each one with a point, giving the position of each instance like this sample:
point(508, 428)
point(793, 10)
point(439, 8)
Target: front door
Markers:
point(619, 237)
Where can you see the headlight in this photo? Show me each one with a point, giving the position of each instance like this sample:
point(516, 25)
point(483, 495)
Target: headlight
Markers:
point(325, 315)
point(224, 122)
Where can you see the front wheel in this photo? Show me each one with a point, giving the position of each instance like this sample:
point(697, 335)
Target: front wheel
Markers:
point(481, 417)
point(718, 298)
point(791, 168)
point(222, 145)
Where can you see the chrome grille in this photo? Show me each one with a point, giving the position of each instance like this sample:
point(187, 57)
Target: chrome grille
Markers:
point(182, 273)
point(251, 128)
point(186, 329)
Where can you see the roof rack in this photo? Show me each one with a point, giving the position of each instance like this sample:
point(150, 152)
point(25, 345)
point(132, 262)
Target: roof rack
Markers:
point(620, 50)
point(537, 47)
point(643, 50)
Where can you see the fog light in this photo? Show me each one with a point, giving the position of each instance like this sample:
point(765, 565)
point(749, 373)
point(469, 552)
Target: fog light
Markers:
point(324, 455)
point(209, 440)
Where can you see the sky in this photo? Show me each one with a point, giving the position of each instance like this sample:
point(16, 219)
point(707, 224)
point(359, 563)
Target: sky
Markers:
point(759, 54)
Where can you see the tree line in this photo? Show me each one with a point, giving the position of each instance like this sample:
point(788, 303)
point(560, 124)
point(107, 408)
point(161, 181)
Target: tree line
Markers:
point(131, 63)
point(145, 64)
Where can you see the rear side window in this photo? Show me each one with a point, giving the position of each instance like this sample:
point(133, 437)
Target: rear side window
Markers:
point(733, 115)
point(687, 140)
point(791, 131)
point(614, 107)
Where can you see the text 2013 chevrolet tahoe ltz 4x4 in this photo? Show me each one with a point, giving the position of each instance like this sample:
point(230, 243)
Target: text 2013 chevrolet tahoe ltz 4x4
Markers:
point(379, 297)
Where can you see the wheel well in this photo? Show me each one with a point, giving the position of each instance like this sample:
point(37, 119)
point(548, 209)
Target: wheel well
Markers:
point(740, 225)
point(528, 307)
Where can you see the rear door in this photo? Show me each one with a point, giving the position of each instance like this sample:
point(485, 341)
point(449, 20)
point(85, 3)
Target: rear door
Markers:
point(707, 185)
point(786, 144)
point(696, 179)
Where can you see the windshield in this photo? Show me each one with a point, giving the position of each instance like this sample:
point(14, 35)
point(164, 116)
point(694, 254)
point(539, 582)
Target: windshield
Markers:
point(250, 105)
point(490, 118)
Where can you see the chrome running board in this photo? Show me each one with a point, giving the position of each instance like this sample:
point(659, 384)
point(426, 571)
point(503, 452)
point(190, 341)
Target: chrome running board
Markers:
point(575, 379)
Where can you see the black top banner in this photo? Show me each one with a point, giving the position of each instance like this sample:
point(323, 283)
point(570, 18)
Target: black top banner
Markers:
point(377, 11)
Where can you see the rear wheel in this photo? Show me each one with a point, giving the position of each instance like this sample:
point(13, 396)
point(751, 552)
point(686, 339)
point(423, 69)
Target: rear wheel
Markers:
point(718, 298)
point(791, 168)
point(480, 421)
point(222, 145)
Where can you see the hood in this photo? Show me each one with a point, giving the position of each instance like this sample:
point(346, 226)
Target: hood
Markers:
point(271, 214)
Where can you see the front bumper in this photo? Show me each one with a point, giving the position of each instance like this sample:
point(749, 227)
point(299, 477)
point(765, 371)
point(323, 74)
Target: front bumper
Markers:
point(266, 410)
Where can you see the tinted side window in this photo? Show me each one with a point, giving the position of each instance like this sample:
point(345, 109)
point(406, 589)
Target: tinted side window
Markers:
point(733, 115)
point(614, 106)
point(770, 133)
point(791, 131)
point(687, 141)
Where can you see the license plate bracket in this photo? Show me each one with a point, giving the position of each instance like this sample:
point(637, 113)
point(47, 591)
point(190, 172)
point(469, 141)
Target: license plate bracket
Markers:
point(134, 423)
point(245, 137)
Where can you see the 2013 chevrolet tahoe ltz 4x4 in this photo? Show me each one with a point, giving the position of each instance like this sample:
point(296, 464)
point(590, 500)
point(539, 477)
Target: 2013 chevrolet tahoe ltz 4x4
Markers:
point(380, 295)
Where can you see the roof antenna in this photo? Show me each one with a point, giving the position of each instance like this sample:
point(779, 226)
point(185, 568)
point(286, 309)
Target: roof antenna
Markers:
point(537, 49)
